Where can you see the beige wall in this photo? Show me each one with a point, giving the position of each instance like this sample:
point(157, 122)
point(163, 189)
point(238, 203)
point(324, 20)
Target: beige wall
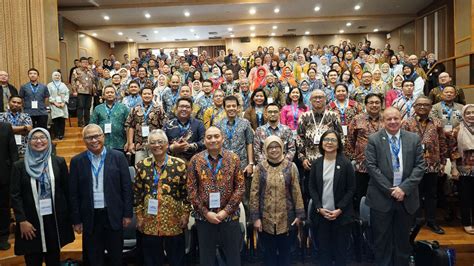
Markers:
point(52, 36)
point(122, 48)
point(404, 35)
point(462, 38)
point(180, 44)
point(90, 46)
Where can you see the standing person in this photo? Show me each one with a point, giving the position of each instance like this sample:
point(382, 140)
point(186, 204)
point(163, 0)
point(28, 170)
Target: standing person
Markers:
point(7, 90)
point(111, 117)
point(435, 152)
point(171, 95)
point(20, 122)
point(8, 156)
point(395, 164)
point(332, 187)
point(203, 102)
point(101, 198)
point(140, 121)
point(83, 86)
point(133, 98)
point(161, 204)
point(39, 192)
point(36, 97)
point(215, 113)
point(215, 187)
point(404, 103)
point(59, 98)
point(448, 111)
point(294, 108)
point(276, 203)
point(445, 80)
point(346, 108)
point(254, 114)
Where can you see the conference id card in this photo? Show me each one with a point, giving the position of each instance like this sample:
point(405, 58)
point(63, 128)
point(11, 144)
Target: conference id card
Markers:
point(145, 131)
point(269, 100)
point(46, 207)
point(108, 128)
point(344, 130)
point(152, 206)
point(34, 104)
point(59, 99)
point(287, 89)
point(397, 178)
point(317, 137)
point(448, 128)
point(214, 200)
point(18, 140)
point(98, 200)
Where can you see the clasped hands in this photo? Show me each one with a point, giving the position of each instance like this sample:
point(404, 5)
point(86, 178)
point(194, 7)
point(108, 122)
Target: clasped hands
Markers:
point(330, 215)
point(397, 193)
point(216, 218)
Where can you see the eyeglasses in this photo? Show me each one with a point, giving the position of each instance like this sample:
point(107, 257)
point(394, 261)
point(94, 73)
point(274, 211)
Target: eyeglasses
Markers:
point(333, 140)
point(184, 106)
point(423, 105)
point(273, 112)
point(158, 142)
point(317, 97)
point(373, 102)
point(39, 138)
point(93, 137)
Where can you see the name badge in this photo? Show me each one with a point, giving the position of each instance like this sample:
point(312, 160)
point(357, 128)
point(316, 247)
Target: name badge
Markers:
point(423, 147)
point(287, 89)
point(34, 104)
point(214, 200)
point(98, 200)
point(317, 137)
point(59, 99)
point(269, 100)
point(107, 128)
point(145, 131)
point(448, 128)
point(344, 130)
point(46, 207)
point(18, 139)
point(152, 206)
point(397, 178)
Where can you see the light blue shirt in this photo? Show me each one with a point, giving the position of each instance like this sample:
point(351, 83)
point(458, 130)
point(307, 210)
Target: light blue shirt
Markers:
point(98, 182)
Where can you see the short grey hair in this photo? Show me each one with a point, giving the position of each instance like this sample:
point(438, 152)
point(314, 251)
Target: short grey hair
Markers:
point(158, 133)
point(91, 126)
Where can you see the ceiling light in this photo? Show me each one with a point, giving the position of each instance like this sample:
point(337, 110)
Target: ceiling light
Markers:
point(341, 31)
point(82, 35)
point(253, 34)
point(273, 34)
point(147, 15)
point(229, 29)
point(348, 24)
point(252, 11)
point(232, 35)
point(197, 37)
point(191, 30)
point(306, 32)
point(275, 27)
point(357, 7)
point(252, 27)
point(164, 38)
point(106, 17)
point(130, 40)
point(155, 32)
point(120, 33)
point(317, 8)
point(375, 30)
point(95, 34)
point(276, 10)
point(187, 14)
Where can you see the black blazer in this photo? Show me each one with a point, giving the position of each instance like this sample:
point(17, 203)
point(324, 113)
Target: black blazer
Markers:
point(13, 92)
point(23, 205)
point(344, 188)
point(117, 190)
point(8, 153)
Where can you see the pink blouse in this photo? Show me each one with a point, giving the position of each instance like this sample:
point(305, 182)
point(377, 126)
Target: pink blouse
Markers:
point(290, 114)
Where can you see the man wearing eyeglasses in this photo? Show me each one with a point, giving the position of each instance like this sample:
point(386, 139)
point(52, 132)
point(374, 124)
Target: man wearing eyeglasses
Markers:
point(101, 198)
point(435, 152)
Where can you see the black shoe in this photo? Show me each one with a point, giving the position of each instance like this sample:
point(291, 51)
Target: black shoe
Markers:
point(4, 246)
point(435, 228)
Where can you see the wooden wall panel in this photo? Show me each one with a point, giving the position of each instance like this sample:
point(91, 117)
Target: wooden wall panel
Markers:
point(407, 37)
point(430, 34)
point(442, 34)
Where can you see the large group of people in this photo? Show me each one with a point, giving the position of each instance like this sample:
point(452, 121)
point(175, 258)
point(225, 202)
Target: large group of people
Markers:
point(280, 136)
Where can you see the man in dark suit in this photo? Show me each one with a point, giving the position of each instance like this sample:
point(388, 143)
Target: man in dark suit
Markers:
point(8, 155)
point(396, 166)
point(101, 198)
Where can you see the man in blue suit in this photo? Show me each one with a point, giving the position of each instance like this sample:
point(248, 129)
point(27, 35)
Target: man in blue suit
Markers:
point(101, 198)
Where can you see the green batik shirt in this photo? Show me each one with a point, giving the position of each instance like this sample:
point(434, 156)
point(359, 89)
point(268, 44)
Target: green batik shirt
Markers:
point(117, 115)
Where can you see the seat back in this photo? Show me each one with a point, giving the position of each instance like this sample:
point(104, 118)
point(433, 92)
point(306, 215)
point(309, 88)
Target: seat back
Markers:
point(364, 211)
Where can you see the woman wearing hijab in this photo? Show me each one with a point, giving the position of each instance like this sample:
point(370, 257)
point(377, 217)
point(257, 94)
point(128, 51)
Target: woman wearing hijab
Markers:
point(387, 76)
point(378, 85)
point(58, 98)
point(287, 78)
point(276, 203)
point(160, 86)
point(357, 72)
point(260, 80)
point(409, 73)
point(216, 78)
point(462, 165)
point(396, 90)
point(332, 188)
point(39, 191)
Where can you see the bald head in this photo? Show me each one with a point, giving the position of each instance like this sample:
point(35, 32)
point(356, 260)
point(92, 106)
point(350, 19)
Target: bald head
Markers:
point(213, 140)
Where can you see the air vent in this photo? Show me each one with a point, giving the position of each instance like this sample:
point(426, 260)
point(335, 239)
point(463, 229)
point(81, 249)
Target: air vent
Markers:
point(183, 39)
point(245, 39)
point(291, 30)
point(212, 33)
point(144, 36)
point(362, 27)
point(215, 38)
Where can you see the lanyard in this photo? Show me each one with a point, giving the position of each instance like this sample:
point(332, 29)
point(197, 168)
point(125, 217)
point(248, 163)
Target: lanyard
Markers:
point(409, 104)
point(295, 111)
point(230, 132)
point(157, 175)
point(448, 111)
point(320, 123)
point(174, 97)
point(96, 171)
point(146, 112)
point(34, 89)
point(395, 149)
point(214, 171)
point(42, 183)
point(183, 129)
point(133, 101)
point(14, 119)
point(109, 110)
point(342, 111)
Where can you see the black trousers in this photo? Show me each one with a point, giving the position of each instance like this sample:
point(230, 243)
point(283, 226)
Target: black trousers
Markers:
point(333, 240)
point(392, 235)
point(226, 234)
point(362, 182)
point(466, 196)
point(154, 247)
point(52, 256)
point(84, 102)
point(102, 238)
point(58, 126)
point(40, 121)
point(277, 248)
point(4, 212)
point(428, 192)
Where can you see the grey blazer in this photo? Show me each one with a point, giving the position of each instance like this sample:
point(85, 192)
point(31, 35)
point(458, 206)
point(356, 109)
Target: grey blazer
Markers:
point(379, 166)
